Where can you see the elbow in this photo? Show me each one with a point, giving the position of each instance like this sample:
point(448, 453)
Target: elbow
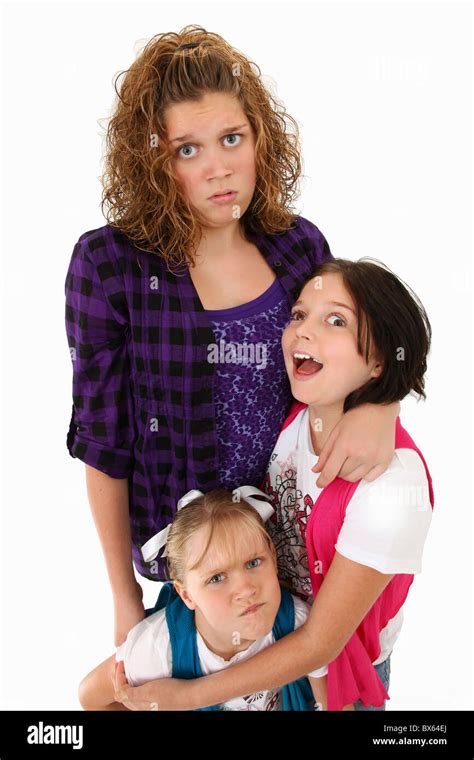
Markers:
point(85, 694)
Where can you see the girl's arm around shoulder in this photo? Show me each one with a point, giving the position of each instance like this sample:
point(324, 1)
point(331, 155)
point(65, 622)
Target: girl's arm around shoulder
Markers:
point(348, 592)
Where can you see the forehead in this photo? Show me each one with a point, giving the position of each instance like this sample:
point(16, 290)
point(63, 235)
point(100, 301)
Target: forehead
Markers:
point(327, 287)
point(213, 110)
point(231, 544)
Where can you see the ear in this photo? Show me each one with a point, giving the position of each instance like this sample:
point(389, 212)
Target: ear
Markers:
point(184, 595)
point(377, 370)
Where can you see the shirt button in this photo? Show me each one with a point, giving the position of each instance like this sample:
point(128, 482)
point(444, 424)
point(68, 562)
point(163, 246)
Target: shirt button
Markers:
point(278, 263)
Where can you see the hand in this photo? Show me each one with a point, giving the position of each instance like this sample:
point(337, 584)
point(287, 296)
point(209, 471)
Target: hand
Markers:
point(128, 611)
point(161, 694)
point(360, 446)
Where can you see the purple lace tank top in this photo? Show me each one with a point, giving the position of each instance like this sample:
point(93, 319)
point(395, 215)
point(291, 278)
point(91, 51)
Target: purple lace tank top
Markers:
point(252, 391)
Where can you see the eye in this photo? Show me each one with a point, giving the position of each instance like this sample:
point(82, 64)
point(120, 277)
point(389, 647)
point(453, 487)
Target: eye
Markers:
point(294, 315)
point(257, 559)
point(183, 147)
point(186, 146)
point(218, 575)
point(336, 316)
point(237, 134)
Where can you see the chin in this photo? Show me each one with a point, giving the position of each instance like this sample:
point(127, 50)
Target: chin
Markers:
point(303, 394)
point(258, 630)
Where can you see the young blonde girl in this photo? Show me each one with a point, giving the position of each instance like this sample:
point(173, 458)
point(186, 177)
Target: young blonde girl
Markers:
point(176, 272)
point(223, 605)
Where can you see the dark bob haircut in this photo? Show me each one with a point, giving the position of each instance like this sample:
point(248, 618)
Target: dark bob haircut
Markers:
point(390, 316)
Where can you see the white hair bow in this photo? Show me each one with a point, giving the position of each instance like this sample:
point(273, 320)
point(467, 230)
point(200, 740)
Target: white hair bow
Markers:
point(155, 543)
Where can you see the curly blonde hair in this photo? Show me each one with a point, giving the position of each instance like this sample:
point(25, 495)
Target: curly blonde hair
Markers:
point(141, 195)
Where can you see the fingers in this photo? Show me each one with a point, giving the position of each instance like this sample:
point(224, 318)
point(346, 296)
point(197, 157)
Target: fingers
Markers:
point(331, 469)
point(353, 471)
point(120, 682)
point(374, 473)
point(327, 450)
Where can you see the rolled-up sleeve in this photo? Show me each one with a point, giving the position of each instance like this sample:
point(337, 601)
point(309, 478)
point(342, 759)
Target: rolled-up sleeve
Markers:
point(101, 431)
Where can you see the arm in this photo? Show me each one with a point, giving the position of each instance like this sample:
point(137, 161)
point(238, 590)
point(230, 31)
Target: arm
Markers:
point(320, 692)
point(108, 498)
point(348, 592)
point(96, 690)
point(319, 687)
point(102, 431)
point(360, 446)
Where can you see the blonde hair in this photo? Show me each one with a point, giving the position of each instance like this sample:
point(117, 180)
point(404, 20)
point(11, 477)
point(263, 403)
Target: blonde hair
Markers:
point(218, 510)
point(141, 195)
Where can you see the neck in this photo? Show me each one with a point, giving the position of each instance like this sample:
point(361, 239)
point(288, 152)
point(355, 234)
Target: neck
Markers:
point(219, 242)
point(322, 421)
point(217, 643)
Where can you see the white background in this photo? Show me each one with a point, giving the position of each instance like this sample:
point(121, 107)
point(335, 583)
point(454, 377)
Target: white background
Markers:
point(382, 93)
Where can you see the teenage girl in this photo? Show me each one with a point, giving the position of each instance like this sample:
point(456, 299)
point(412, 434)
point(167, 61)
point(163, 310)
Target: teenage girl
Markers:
point(201, 249)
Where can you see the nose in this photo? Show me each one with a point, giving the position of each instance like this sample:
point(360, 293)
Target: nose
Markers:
point(245, 590)
point(303, 330)
point(217, 164)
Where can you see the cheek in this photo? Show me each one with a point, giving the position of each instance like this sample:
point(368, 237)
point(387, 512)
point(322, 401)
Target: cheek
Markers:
point(246, 162)
point(287, 336)
point(184, 178)
point(341, 349)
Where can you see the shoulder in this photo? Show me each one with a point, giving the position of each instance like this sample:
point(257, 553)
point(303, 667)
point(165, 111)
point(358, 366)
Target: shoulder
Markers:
point(150, 628)
point(309, 235)
point(102, 264)
point(101, 245)
point(147, 649)
point(405, 470)
point(302, 240)
point(302, 610)
point(387, 521)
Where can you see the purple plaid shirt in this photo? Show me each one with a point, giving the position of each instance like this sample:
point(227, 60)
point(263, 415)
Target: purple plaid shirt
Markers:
point(143, 387)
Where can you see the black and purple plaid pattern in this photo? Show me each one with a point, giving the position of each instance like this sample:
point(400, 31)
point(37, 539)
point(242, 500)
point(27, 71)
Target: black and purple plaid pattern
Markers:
point(138, 335)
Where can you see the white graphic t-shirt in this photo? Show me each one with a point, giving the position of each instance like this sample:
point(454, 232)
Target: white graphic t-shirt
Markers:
point(385, 525)
point(147, 656)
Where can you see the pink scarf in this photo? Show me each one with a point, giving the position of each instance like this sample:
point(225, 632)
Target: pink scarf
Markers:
point(351, 676)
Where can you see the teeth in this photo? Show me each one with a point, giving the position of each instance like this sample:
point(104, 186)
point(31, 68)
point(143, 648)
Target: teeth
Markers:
point(306, 356)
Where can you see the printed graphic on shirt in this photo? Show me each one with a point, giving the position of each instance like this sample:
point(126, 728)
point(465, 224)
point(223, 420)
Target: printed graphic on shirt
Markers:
point(261, 701)
point(287, 526)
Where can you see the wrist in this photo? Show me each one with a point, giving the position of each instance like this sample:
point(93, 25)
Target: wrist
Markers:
point(128, 589)
point(192, 692)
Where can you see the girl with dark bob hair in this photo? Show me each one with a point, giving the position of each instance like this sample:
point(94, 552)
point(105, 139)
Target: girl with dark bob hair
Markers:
point(357, 334)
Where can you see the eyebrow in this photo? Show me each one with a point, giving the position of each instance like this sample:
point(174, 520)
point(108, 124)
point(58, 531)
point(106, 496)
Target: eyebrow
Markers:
point(216, 571)
point(330, 303)
point(224, 131)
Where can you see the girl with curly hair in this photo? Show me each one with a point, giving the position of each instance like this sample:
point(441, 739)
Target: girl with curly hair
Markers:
point(175, 307)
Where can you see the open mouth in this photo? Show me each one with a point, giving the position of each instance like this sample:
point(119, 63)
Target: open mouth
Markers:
point(305, 364)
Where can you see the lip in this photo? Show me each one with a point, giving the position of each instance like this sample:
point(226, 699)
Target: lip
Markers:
point(300, 376)
point(224, 197)
point(251, 610)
